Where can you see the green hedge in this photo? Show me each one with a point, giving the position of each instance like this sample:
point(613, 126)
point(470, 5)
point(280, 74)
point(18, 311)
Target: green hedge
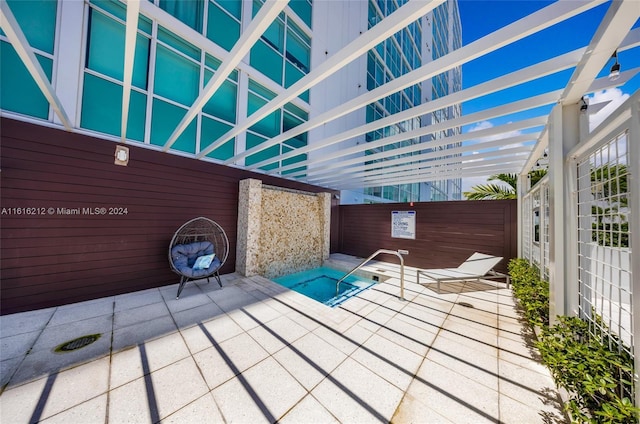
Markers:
point(531, 291)
point(597, 376)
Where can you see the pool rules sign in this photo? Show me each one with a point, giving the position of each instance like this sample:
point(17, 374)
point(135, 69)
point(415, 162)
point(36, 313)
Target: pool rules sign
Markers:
point(403, 224)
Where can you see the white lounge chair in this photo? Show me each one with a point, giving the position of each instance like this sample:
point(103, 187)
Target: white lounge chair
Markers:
point(476, 267)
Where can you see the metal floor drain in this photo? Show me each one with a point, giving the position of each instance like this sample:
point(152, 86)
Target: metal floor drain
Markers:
point(76, 344)
point(465, 304)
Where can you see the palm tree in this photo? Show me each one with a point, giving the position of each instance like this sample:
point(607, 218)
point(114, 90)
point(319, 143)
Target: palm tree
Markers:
point(501, 192)
point(494, 191)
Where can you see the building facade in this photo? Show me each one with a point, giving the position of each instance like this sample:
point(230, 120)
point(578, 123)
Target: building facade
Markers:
point(427, 39)
point(180, 44)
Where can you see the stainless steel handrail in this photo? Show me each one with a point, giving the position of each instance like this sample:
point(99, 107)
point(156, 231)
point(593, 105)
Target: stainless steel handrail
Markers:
point(377, 252)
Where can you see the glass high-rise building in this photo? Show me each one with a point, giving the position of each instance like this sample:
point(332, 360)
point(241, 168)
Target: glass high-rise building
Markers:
point(180, 45)
point(427, 39)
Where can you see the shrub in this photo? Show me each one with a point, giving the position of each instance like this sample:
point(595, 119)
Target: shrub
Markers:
point(597, 376)
point(531, 291)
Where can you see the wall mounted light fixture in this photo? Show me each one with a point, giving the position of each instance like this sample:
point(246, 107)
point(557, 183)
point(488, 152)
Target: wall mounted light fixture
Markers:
point(614, 73)
point(121, 155)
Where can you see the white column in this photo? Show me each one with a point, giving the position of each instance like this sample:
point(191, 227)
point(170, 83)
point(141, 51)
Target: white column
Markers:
point(70, 46)
point(556, 218)
point(523, 187)
point(634, 230)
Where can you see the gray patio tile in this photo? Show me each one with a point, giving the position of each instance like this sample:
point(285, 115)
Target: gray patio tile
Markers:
point(431, 315)
point(254, 315)
point(52, 336)
point(232, 298)
point(134, 334)
point(24, 322)
point(305, 321)
point(530, 362)
point(18, 404)
point(177, 385)
point(286, 330)
point(522, 383)
point(516, 411)
point(355, 394)
point(76, 386)
point(464, 341)
point(137, 299)
point(343, 342)
point(390, 361)
point(82, 311)
point(221, 328)
point(412, 410)
point(309, 411)
point(91, 411)
point(17, 345)
point(8, 368)
point(199, 314)
point(45, 361)
point(414, 338)
point(202, 411)
point(358, 334)
point(432, 303)
point(165, 350)
point(126, 366)
point(309, 359)
point(130, 403)
point(515, 345)
point(140, 314)
point(242, 352)
point(377, 318)
point(474, 364)
point(453, 395)
point(214, 367)
point(259, 399)
point(471, 329)
point(209, 287)
point(221, 362)
point(190, 297)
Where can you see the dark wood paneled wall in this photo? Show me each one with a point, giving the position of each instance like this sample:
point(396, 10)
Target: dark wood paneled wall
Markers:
point(447, 233)
point(50, 258)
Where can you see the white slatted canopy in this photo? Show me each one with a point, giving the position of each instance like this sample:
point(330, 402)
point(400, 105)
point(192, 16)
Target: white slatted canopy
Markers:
point(337, 161)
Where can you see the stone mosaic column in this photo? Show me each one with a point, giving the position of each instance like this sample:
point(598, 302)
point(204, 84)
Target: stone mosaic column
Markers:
point(325, 210)
point(249, 218)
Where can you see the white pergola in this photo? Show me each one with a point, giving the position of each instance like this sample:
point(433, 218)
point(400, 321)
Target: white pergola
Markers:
point(344, 167)
point(561, 134)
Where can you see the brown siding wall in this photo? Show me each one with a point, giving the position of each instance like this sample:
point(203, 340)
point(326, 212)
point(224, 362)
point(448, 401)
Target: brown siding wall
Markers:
point(447, 233)
point(51, 259)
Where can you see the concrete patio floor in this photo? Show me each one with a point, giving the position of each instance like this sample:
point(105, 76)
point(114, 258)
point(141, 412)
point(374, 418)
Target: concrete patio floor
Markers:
point(255, 352)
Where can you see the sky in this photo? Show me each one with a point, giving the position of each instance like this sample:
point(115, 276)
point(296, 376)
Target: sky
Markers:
point(481, 17)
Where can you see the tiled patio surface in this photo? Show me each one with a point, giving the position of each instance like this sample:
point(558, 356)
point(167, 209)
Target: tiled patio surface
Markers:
point(255, 352)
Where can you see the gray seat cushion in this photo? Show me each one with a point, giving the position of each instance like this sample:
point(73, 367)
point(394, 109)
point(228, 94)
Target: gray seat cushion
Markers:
point(184, 256)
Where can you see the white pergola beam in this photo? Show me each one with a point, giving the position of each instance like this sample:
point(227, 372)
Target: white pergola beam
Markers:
point(603, 83)
point(402, 17)
point(484, 115)
point(461, 154)
point(12, 30)
point(131, 33)
point(438, 161)
point(344, 166)
point(435, 175)
point(265, 17)
point(613, 28)
point(537, 21)
point(539, 70)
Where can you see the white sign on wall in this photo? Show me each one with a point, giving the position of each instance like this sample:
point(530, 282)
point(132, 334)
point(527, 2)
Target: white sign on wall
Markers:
point(403, 224)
